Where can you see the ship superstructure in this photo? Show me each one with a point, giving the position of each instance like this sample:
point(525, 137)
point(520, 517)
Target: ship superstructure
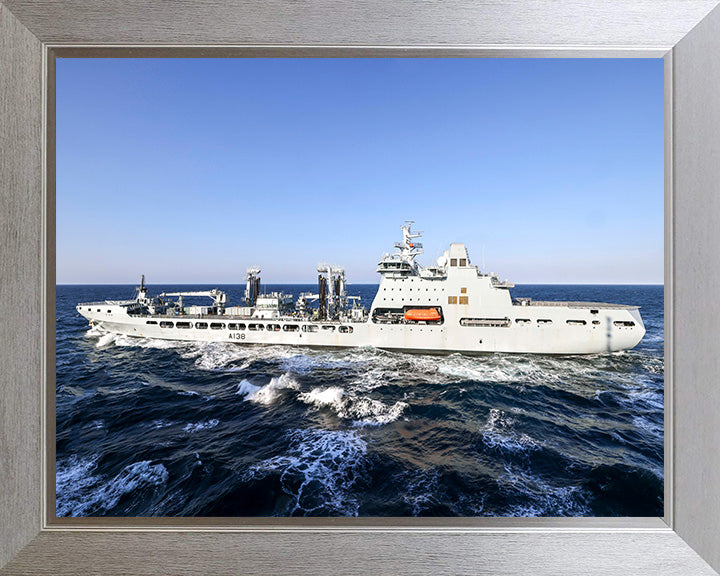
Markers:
point(451, 306)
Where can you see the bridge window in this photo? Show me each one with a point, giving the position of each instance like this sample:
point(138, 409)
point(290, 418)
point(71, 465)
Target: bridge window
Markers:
point(577, 322)
point(291, 327)
point(185, 325)
point(309, 328)
point(234, 326)
point(624, 323)
point(453, 261)
point(331, 328)
point(522, 321)
point(273, 327)
point(217, 326)
point(151, 322)
point(544, 321)
point(463, 262)
point(345, 329)
point(166, 324)
point(256, 327)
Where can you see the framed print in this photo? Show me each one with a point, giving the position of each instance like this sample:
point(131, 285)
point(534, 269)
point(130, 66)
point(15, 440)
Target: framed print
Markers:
point(684, 541)
point(445, 390)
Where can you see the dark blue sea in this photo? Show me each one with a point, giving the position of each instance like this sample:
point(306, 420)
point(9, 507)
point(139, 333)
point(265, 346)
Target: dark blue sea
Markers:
point(156, 428)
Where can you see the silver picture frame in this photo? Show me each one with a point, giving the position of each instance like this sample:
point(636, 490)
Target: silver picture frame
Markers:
point(686, 33)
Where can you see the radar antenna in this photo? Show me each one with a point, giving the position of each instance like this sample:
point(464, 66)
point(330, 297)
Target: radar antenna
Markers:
point(408, 247)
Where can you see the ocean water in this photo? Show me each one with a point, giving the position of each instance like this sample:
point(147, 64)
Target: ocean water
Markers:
point(156, 428)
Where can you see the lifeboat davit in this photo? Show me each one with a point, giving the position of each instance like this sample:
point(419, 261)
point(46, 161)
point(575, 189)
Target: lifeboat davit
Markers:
point(423, 315)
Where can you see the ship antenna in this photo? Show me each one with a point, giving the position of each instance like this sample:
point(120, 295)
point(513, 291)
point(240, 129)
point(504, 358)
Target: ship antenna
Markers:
point(142, 282)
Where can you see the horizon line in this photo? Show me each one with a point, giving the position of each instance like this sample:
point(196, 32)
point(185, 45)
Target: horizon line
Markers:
point(355, 284)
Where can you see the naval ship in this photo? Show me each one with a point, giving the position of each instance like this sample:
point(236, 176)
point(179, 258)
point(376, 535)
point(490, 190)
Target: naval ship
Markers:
point(452, 306)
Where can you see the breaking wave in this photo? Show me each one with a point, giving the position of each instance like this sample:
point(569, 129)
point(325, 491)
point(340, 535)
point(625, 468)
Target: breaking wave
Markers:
point(363, 410)
point(270, 392)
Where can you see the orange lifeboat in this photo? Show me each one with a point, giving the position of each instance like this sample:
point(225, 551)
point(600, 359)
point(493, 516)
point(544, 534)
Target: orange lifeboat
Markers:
point(423, 315)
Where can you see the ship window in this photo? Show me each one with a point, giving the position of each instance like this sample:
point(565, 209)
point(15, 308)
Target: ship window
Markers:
point(236, 326)
point(577, 322)
point(544, 321)
point(463, 299)
point(453, 261)
point(463, 290)
point(594, 311)
point(217, 326)
point(291, 327)
point(522, 320)
point(345, 329)
point(309, 328)
point(463, 261)
point(109, 311)
point(166, 324)
point(98, 309)
point(486, 322)
point(273, 327)
point(256, 327)
point(596, 322)
point(624, 324)
point(331, 328)
point(452, 299)
point(151, 322)
point(183, 325)
point(201, 325)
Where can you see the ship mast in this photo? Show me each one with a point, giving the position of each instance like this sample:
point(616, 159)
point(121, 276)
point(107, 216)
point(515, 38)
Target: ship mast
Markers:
point(408, 248)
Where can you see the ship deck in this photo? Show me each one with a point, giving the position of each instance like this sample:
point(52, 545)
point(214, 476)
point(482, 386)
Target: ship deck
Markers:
point(599, 305)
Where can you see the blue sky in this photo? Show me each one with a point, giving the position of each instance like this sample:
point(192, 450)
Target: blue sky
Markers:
point(191, 170)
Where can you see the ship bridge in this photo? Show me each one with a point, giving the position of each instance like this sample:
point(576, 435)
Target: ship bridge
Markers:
point(402, 262)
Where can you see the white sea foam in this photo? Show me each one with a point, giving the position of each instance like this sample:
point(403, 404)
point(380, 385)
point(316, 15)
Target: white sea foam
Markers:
point(160, 423)
point(220, 355)
point(270, 392)
point(319, 471)
point(121, 340)
point(195, 426)
point(362, 409)
point(80, 492)
point(246, 389)
point(105, 340)
point(321, 397)
point(538, 497)
point(420, 490)
point(499, 432)
point(95, 332)
point(649, 427)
